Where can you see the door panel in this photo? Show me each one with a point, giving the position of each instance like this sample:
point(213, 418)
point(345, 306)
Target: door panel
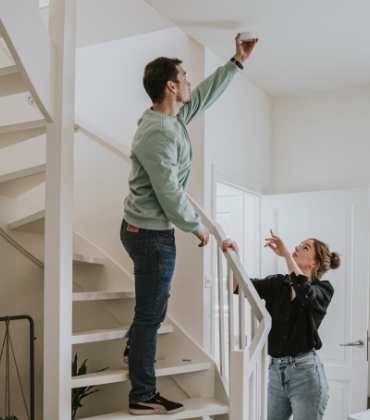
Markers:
point(341, 219)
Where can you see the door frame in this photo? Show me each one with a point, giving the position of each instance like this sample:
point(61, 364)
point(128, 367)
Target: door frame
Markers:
point(245, 185)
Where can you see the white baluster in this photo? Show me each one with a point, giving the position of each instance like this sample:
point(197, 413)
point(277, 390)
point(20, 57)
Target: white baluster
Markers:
point(221, 313)
point(264, 365)
point(230, 289)
point(241, 320)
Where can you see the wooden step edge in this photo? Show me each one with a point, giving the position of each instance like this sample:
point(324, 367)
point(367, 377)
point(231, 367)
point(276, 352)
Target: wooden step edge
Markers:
point(92, 336)
point(194, 407)
point(22, 173)
point(28, 125)
point(5, 71)
point(22, 223)
point(164, 367)
point(88, 259)
point(102, 295)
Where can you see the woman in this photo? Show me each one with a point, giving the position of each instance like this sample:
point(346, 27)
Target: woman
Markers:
point(297, 303)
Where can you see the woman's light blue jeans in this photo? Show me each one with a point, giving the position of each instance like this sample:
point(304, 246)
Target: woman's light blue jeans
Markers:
point(153, 253)
point(298, 386)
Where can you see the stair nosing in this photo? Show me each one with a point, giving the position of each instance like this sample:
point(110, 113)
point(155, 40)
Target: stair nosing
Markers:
point(82, 337)
point(12, 69)
point(218, 408)
point(27, 219)
point(13, 176)
point(88, 259)
point(76, 296)
point(22, 126)
point(121, 375)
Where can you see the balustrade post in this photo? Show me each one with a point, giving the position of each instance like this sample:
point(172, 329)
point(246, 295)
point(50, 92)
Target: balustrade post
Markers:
point(221, 320)
point(230, 290)
point(241, 320)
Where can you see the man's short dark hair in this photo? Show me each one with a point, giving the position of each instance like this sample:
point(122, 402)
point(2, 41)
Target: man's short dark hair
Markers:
point(156, 75)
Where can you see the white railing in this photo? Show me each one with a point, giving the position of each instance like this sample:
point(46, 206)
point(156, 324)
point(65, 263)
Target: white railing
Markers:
point(247, 365)
point(32, 49)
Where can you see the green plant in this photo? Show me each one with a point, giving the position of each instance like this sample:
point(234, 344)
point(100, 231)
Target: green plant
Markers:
point(78, 394)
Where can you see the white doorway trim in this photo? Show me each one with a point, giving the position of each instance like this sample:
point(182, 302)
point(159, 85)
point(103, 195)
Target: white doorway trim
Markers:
point(244, 185)
point(235, 180)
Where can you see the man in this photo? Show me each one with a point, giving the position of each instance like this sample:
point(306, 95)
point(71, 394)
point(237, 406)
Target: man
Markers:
point(161, 157)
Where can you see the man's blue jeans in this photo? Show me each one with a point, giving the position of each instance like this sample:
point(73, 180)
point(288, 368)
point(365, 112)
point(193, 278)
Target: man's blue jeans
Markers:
point(298, 386)
point(153, 253)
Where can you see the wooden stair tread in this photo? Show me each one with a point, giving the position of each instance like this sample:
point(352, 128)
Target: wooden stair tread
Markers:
point(110, 334)
point(16, 183)
point(5, 71)
point(11, 82)
point(103, 295)
point(88, 259)
point(164, 367)
point(32, 223)
point(22, 126)
point(194, 407)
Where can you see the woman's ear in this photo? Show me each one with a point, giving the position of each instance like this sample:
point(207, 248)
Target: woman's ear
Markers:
point(315, 265)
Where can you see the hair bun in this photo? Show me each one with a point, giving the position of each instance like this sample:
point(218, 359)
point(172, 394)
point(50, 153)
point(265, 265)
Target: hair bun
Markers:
point(334, 261)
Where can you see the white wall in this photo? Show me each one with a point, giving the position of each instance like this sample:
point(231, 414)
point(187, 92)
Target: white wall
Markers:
point(21, 284)
point(109, 90)
point(237, 140)
point(110, 96)
point(235, 134)
point(238, 129)
point(321, 141)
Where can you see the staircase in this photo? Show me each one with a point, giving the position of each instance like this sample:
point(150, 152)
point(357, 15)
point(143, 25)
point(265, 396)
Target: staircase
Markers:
point(103, 289)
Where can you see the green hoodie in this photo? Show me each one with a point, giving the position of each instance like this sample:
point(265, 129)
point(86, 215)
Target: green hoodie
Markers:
point(161, 157)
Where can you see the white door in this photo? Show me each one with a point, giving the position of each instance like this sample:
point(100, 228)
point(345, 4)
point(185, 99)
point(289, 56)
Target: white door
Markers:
point(341, 219)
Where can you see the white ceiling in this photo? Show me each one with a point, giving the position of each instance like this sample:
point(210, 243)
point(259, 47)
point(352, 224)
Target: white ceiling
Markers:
point(304, 45)
point(106, 20)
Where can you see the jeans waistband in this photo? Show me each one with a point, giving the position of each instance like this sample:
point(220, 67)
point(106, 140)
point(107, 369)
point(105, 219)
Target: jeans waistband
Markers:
point(151, 231)
point(289, 359)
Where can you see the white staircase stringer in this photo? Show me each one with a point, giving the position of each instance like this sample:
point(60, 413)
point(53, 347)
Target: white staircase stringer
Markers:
point(182, 346)
point(178, 344)
point(32, 50)
point(126, 278)
point(17, 110)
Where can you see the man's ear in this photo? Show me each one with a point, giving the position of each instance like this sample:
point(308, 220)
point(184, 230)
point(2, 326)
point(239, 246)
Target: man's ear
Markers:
point(171, 86)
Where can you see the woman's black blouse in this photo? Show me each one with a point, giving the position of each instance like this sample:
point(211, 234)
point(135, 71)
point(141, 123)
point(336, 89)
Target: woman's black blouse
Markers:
point(294, 323)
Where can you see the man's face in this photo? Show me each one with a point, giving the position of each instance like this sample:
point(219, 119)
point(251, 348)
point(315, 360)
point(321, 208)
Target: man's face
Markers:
point(183, 87)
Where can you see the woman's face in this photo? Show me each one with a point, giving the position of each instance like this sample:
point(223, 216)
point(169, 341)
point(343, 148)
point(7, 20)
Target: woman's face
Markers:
point(305, 255)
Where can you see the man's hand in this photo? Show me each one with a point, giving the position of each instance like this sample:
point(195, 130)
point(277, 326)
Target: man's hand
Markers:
point(244, 49)
point(204, 237)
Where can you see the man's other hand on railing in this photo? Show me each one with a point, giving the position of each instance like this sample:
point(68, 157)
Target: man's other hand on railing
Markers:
point(204, 237)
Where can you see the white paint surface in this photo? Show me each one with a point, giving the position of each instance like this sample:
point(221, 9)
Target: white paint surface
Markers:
point(341, 219)
point(113, 104)
point(304, 46)
point(321, 141)
point(238, 130)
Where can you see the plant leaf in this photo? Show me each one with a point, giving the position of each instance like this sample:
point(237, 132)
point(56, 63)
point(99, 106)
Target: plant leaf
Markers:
point(92, 392)
point(74, 366)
